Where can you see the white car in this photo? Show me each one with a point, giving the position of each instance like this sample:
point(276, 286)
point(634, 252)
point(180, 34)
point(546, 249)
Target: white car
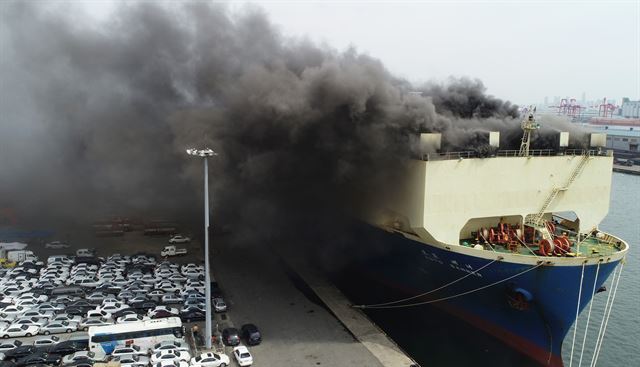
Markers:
point(15, 331)
point(128, 350)
point(242, 355)
point(210, 360)
point(37, 321)
point(41, 314)
point(56, 244)
point(47, 340)
point(130, 318)
point(94, 321)
point(169, 345)
point(68, 318)
point(171, 364)
point(219, 305)
point(170, 355)
point(179, 239)
point(130, 360)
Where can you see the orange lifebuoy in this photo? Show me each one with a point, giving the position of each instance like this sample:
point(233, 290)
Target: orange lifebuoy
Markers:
point(492, 235)
point(566, 243)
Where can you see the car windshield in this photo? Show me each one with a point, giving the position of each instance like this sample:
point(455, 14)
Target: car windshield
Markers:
point(245, 355)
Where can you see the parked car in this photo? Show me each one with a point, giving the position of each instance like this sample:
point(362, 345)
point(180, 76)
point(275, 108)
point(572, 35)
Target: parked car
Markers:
point(128, 350)
point(170, 355)
point(192, 314)
point(210, 360)
point(82, 355)
point(230, 337)
point(56, 327)
point(94, 321)
point(47, 340)
point(67, 347)
point(242, 356)
point(251, 334)
point(19, 352)
point(169, 345)
point(16, 331)
point(219, 305)
point(39, 357)
point(6, 346)
point(56, 245)
point(131, 360)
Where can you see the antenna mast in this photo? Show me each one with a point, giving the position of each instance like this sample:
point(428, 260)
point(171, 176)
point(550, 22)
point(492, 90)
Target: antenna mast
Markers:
point(529, 124)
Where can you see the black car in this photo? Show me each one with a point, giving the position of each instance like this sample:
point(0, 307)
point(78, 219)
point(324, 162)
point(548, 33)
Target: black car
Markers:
point(230, 337)
point(144, 305)
point(67, 347)
point(87, 363)
point(192, 314)
point(216, 292)
point(251, 334)
point(82, 303)
point(77, 310)
point(107, 288)
point(39, 357)
point(7, 364)
point(19, 352)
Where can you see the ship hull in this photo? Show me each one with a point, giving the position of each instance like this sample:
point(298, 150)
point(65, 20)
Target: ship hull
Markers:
point(535, 327)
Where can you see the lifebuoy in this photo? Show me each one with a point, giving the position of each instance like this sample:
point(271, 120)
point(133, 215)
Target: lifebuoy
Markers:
point(546, 248)
point(492, 235)
point(485, 233)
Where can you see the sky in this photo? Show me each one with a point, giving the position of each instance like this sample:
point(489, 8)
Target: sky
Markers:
point(521, 50)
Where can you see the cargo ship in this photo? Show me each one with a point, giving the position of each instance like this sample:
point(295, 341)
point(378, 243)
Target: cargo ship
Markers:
point(508, 242)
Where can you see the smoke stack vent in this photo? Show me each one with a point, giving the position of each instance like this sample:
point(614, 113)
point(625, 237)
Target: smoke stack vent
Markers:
point(430, 142)
point(494, 139)
point(564, 139)
point(598, 140)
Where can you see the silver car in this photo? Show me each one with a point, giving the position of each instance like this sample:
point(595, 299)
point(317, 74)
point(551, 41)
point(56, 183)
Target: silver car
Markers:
point(56, 327)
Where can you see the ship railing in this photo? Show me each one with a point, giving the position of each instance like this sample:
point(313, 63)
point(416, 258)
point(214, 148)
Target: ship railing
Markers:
point(466, 154)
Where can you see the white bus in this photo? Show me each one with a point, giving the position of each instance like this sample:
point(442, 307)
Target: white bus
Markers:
point(145, 334)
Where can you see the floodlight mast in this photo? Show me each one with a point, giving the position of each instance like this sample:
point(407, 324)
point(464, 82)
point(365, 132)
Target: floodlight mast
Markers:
point(205, 153)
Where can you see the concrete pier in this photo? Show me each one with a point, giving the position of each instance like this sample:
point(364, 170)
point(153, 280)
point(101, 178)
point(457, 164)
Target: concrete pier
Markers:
point(373, 338)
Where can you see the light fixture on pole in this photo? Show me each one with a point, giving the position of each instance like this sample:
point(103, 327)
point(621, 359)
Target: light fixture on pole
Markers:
point(205, 153)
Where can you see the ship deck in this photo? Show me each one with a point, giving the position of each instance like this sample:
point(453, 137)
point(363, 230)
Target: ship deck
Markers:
point(586, 247)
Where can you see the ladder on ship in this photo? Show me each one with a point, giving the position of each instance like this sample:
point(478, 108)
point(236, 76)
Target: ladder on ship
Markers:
point(535, 220)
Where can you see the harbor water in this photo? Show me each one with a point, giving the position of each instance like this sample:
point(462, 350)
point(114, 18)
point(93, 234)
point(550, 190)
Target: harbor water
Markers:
point(434, 338)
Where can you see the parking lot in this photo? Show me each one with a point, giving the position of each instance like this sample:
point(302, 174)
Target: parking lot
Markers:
point(296, 330)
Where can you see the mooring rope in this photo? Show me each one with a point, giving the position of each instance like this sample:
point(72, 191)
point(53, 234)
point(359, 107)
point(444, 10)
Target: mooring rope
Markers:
point(586, 328)
point(434, 290)
point(604, 315)
point(615, 291)
point(575, 327)
point(540, 263)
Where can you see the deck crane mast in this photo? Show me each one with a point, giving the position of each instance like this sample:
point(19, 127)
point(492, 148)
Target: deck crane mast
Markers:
point(529, 124)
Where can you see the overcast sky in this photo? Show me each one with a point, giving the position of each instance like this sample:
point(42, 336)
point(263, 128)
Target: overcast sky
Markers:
point(522, 50)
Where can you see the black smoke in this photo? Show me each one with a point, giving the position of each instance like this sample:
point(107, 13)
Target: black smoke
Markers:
point(96, 116)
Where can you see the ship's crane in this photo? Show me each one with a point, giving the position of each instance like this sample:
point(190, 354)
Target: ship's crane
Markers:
point(529, 125)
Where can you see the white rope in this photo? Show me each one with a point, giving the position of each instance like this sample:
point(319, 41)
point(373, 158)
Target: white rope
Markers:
point(455, 295)
point(575, 325)
point(604, 315)
point(586, 328)
point(615, 291)
point(433, 290)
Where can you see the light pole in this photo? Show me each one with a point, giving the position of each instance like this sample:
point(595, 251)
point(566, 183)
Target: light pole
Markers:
point(205, 153)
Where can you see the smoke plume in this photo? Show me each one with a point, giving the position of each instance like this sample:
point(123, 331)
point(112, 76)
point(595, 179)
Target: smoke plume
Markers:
point(96, 116)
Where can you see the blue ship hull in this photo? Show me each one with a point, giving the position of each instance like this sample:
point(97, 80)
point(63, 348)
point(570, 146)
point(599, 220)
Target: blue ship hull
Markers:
point(537, 329)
